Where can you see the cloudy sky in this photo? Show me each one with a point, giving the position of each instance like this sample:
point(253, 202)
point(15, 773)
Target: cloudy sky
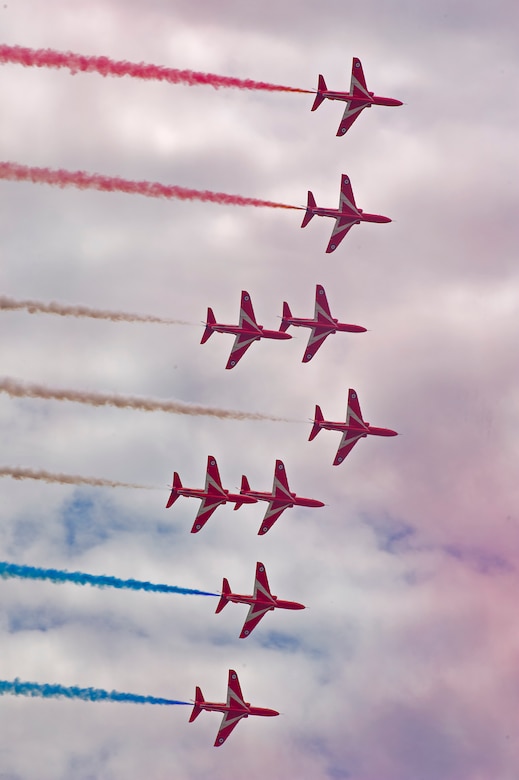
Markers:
point(404, 665)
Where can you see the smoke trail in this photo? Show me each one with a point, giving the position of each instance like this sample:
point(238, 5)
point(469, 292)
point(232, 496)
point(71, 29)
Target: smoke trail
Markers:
point(18, 688)
point(18, 389)
point(38, 307)
point(50, 58)
point(58, 177)
point(65, 479)
point(98, 581)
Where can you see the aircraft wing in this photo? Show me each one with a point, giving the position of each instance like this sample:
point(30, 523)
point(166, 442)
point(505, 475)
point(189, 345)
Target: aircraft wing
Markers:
point(213, 483)
point(247, 318)
point(353, 413)
point(229, 722)
point(347, 203)
point(351, 112)
point(317, 338)
point(275, 508)
point(342, 226)
point(207, 507)
point(256, 612)
point(358, 86)
point(241, 344)
point(322, 311)
point(348, 441)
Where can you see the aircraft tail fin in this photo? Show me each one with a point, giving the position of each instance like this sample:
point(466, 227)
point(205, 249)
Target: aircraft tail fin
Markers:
point(318, 418)
point(321, 87)
point(177, 484)
point(287, 315)
point(245, 487)
point(311, 204)
point(226, 589)
point(197, 709)
point(211, 320)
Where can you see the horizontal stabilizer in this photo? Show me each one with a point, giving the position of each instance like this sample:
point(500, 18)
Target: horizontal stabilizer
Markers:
point(311, 204)
point(318, 418)
point(197, 709)
point(211, 320)
point(287, 315)
point(321, 87)
point(177, 484)
point(226, 589)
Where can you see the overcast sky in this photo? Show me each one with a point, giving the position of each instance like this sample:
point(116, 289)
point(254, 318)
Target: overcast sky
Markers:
point(405, 663)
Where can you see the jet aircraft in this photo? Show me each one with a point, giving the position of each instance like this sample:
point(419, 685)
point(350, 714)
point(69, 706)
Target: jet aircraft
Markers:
point(323, 324)
point(211, 496)
point(261, 602)
point(234, 709)
point(345, 216)
point(279, 499)
point(357, 99)
point(353, 429)
point(246, 332)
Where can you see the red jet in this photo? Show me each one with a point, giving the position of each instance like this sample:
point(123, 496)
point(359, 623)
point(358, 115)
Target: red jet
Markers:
point(357, 99)
point(234, 709)
point(212, 496)
point(345, 216)
point(246, 332)
point(352, 430)
point(280, 499)
point(261, 602)
point(322, 325)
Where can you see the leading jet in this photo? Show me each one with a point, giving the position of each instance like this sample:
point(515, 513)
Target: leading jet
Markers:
point(247, 331)
point(279, 499)
point(211, 496)
point(352, 430)
point(357, 99)
point(322, 325)
point(261, 601)
point(234, 709)
point(345, 216)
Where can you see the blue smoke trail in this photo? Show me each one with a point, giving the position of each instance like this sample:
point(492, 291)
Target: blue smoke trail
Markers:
point(98, 581)
point(18, 688)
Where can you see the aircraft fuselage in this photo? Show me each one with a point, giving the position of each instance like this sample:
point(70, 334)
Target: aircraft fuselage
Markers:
point(325, 325)
point(258, 333)
point(290, 502)
point(233, 498)
point(244, 712)
point(359, 217)
point(365, 431)
point(372, 100)
point(272, 603)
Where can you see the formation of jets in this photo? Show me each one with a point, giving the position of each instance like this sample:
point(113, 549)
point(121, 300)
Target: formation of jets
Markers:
point(353, 429)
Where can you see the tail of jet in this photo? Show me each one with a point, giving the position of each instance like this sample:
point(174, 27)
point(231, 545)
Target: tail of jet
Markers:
point(211, 320)
point(177, 484)
point(318, 419)
point(321, 87)
point(311, 204)
point(226, 590)
point(285, 317)
point(245, 487)
point(197, 709)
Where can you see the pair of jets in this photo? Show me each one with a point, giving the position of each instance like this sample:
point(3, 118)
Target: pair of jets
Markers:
point(214, 494)
point(357, 99)
point(248, 330)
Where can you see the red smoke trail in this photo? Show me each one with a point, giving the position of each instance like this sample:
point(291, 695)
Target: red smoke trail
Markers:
point(49, 58)
point(94, 181)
